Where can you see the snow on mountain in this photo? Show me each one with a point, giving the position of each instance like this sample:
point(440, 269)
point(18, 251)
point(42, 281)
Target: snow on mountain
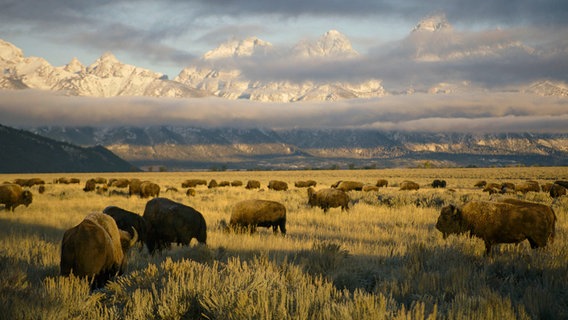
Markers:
point(433, 23)
point(332, 44)
point(234, 48)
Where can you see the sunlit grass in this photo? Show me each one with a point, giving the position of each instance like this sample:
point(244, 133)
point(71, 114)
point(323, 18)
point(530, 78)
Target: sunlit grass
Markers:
point(382, 259)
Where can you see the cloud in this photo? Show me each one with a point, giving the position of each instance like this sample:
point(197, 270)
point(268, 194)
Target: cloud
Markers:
point(495, 112)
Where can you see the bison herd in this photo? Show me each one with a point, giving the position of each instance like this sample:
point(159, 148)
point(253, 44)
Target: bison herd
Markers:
point(98, 246)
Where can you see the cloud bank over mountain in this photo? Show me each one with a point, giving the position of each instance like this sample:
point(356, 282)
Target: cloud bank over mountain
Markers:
point(496, 112)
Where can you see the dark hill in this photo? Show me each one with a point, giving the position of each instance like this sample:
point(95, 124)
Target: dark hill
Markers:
point(23, 152)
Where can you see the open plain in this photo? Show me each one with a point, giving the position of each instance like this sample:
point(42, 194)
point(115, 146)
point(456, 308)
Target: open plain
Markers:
point(381, 259)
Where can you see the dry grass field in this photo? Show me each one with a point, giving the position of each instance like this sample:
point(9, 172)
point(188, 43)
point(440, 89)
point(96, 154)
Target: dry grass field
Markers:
point(383, 259)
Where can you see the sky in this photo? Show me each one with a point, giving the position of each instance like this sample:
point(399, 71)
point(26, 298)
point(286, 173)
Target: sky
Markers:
point(166, 36)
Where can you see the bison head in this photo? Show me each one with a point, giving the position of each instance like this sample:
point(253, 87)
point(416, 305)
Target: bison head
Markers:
point(450, 221)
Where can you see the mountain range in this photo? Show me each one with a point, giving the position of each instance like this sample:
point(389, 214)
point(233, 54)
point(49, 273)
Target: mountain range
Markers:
point(225, 71)
point(25, 152)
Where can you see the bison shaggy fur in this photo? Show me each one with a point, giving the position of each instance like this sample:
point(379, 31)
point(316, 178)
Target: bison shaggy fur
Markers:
point(328, 198)
point(149, 189)
point(350, 185)
point(253, 184)
point(258, 213)
point(12, 195)
point(96, 249)
point(509, 221)
point(169, 222)
point(305, 184)
point(556, 191)
point(382, 183)
point(437, 183)
point(409, 185)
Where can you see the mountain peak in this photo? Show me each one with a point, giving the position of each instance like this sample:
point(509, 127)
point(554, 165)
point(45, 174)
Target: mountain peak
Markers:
point(235, 48)
point(433, 23)
point(331, 44)
point(74, 66)
point(9, 52)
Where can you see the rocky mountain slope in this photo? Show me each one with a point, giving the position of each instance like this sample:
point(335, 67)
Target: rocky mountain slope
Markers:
point(25, 152)
point(185, 148)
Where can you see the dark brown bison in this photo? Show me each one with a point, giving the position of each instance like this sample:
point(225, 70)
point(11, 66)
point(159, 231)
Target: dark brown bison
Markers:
point(562, 183)
point(381, 183)
point(224, 183)
point(350, 185)
point(500, 222)
point(528, 186)
point(29, 182)
point(277, 185)
point(409, 185)
point(169, 222)
point(119, 183)
point(212, 184)
point(236, 183)
point(96, 249)
point(134, 187)
point(192, 183)
point(12, 195)
point(556, 191)
point(190, 192)
point(149, 189)
point(127, 220)
point(253, 184)
point(90, 185)
point(305, 184)
point(249, 214)
point(437, 183)
point(328, 198)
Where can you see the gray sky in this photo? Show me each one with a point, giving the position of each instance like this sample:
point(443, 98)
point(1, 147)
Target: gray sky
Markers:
point(528, 41)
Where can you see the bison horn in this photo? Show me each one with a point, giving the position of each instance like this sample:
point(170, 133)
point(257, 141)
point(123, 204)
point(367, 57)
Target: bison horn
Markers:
point(134, 237)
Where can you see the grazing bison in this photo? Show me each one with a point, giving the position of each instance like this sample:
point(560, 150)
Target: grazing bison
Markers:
point(119, 183)
point(480, 184)
point(29, 182)
point(192, 183)
point(562, 183)
point(409, 185)
point(381, 183)
point(500, 222)
point(190, 192)
point(258, 213)
point(168, 221)
point(212, 184)
point(253, 184)
point(528, 186)
point(149, 189)
point(328, 198)
point(236, 183)
point(96, 249)
point(556, 191)
point(127, 220)
point(370, 188)
point(134, 187)
point(90, 185)
point(12, 195)
point(350, 185)
point(305, 184)
point(439, 183)
point(277, 185)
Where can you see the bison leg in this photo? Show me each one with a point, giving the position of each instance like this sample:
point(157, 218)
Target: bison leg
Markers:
point(283, 228)
point(487, 248)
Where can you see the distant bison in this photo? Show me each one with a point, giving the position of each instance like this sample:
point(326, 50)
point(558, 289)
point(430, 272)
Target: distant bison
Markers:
point(169, 222)
point(119, 183)
point(258, 213)
point(528, 186)
point(328, 198)
point(277, 185)
point(350, 185)
point(480, 184)
point(128, 221)
point(381, 183)
point(236, 183)
point(90, 185)
point(305, 184)
point(96, 249)
point(253, 184)
point(212, 184)
point(409, 185)
point(29, 182)
point(12, 195)
point(149, 189)
point(134, 187)
point(500, 222)
point(437, 183)
point(192, 183)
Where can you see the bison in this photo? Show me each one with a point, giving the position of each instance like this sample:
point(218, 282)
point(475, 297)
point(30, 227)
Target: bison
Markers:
point(134, 187)
point(277, 185)
point(528, 186)
point(12, 195)
point(500, 222)
point(328, 198)
point(96, 249)
point(258, 213)
point(192, 183)
point(305, 184)
point(350, 185)
point(409, 185)
point(382, 183)
point(149, 189)
point(437, 183)
point(90, 185)
point(556, 191)
point(253, 184)
point(168, 221)
point(129, 221)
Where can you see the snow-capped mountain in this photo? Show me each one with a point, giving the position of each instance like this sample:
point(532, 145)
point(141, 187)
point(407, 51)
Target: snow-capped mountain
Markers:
point(222, 71)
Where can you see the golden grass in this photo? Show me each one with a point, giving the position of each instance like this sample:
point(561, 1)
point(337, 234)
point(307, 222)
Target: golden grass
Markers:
point(376, 261)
